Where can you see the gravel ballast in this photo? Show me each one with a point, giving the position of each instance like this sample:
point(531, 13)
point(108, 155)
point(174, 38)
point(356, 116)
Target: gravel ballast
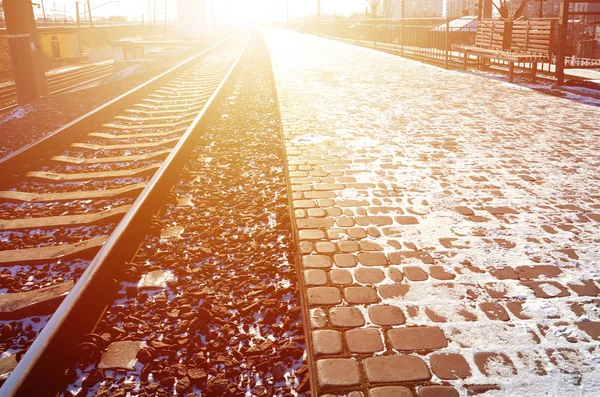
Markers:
point(228, 321)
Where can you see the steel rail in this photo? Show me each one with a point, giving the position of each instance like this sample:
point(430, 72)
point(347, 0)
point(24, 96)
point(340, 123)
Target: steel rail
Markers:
point(37, 151)
point(43, 370)
point(8, 93)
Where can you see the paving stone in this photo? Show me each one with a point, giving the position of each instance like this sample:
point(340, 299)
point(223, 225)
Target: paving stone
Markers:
point(337, 372)
point(344, 260)
point(464, 211)
point(344, 221)
point(585, 288)
point(547, 289)
point(474, 390)
point(440, 273)
point(355, 394)
point(380, 220)
point(319, 195)
point(390, 391)
point(387, 369)
point(449, 366)
point(373, 232)
point(386, 315)
point(335, 211)
point(494, 311)
point(319, 261)
point(348, 246)
point(315, 277)
point(356, 232)
point(372, 259)
point(414, 273)
point(406, 220)
point(504, 273)
point(364, 340)
point(399, 257)
point(327, 342)
point(500, 210)
point(318, 318)
point(395, 274)
point(390, 291)
point(304, 204)
point(305, 247)
point(492, 364)
point(360, 295)
point(417, 338)
point(347, 317)
point(340, 276)
point(369, 276)
point(534, 272)
point(314, 223)
point(311, 234)
point(323, 296)
point(437, 391)
point(325, 247)
point(592, 328)
point(516, 308)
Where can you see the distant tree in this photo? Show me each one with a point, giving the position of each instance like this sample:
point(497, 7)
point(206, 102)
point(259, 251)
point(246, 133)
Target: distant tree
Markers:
point(509, 14)
point(506, 9)
point(387, 8)
point(374, 5)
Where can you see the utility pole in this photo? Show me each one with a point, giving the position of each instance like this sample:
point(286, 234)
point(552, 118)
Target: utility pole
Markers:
point(90, 13)
point(77, 14)
point(154, 21)
point(25, 50)
point(43, 11)
point(319, 9)
point(541, 9)
point(165, 20)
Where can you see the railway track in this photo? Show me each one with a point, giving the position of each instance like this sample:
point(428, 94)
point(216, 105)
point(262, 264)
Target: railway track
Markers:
point(60, 82)
point(73, 205)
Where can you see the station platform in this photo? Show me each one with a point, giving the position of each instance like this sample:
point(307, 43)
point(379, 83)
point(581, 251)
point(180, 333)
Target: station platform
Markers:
point(448, 226)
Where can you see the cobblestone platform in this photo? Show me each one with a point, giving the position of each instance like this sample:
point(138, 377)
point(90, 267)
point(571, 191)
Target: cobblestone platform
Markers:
point(449, 226)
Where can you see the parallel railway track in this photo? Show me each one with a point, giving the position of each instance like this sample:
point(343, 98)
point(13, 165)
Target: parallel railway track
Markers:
point(59, 82)
point(74, 205)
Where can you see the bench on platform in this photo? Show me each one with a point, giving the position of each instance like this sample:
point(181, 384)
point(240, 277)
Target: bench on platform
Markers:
point(531, 43)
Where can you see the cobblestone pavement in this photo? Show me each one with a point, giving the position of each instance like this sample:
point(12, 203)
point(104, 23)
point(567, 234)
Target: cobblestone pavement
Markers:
point(449, 226)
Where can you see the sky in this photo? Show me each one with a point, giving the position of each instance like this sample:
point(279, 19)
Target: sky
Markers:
point(226, 10)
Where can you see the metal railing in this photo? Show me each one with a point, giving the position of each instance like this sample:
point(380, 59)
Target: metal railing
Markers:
point(83, 24)
point(426, 39)
point(429, 40)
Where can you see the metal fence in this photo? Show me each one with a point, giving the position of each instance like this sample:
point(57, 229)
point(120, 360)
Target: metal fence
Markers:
point(430, 40)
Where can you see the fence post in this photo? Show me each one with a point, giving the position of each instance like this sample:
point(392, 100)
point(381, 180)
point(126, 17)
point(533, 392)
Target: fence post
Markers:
point(447, 42)
point(402, 36)
point(77, 14)
point(375, 35)
point(563, 21)
point(90, 14)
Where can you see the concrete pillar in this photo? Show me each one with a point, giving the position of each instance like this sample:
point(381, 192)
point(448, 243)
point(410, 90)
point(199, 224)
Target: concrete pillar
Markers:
point(25, 50)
